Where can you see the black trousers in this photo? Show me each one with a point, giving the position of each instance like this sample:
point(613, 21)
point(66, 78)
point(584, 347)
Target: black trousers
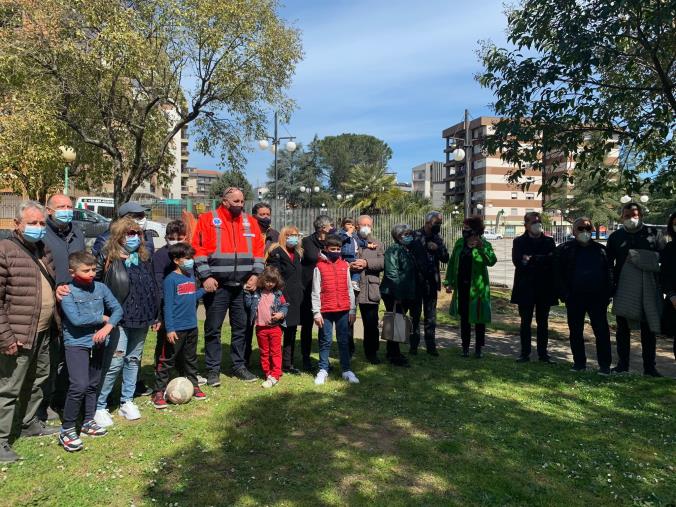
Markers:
point(648, 344)
point(369, 317)
point(84, 372)
point(406, 306)
point(427, 306)
point(542, 321)
point(307, 322)
point(288, 346)
point(596, 305)
point(217, 304)
point(56, 388)
point(181, 354)
point(248, 342)
point(465, 326)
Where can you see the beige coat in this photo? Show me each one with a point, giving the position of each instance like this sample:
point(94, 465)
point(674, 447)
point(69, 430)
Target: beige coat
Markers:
point(369, 283)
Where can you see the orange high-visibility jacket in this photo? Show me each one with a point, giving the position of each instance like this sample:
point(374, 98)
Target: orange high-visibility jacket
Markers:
point(228, 248)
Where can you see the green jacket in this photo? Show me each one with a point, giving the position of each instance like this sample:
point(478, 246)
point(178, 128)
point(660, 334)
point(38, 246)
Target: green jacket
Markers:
point(399, 280)
point(480, 291)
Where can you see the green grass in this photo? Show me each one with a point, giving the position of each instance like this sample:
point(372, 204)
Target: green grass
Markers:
point(447, 431)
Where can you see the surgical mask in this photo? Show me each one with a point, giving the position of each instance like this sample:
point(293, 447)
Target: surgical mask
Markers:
point(188, 265)
point(364, 231)
point(292, 241)
point(332, 256)
point(132, 243)
point(632, 223)
point(34, 233)
point(83, 280)
point(407, 240)
point(65, 216)
point(172, 242)
point(436, 229)
point(235, 211)
point(264, 222)
point(332, 230)
point(584, 237)
point(536, 228)
point(141, 222)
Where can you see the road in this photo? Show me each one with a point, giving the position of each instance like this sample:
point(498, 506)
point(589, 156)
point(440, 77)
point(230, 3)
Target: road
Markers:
point(503, 271)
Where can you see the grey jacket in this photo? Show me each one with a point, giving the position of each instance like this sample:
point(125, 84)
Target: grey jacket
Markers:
point(637, 297)
point(369, 283)
point(63, 242)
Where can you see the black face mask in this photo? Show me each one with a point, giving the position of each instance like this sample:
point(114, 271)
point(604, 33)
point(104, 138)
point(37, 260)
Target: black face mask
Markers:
point(332, 230)
point(235, 211)
point(466, 234)
point(264, 222)
point(436, 228)
point(332, 256)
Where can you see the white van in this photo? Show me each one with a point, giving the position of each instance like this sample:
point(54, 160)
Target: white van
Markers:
point(105, 206)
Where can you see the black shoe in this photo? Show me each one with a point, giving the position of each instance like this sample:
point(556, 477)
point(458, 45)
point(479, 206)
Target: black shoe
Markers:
point(523, 359)
point(213, 378)
point(577, 369)
point(245, 375)
point(292, 371)
point(7, 455)
point(478, 354)
point(374, 360)
point(307, 365)
point(142, 389)
point(413, 351)
point(546, 360)
point(400, 361)
point(54, 414)
point(620, 368)
point(39, 429)
point(465, 352)
point(604, 371)
point(652, 373)
point(433, 352)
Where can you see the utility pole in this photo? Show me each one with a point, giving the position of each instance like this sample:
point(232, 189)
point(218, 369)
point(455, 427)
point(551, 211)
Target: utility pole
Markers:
point(468, 167)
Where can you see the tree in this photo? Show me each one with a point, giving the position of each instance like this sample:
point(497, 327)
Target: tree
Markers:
point(582, 78)
point(372, 189)
point(127, 77)
point(232, 178)
point(341, 153)
point(410, 203)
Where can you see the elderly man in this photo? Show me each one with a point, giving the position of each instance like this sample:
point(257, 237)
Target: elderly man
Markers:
point(27, 315)
point(634, 249)
point(370, 263)
point(138, 213)
point(585, 285)
point(429, 251)
point(229, 256)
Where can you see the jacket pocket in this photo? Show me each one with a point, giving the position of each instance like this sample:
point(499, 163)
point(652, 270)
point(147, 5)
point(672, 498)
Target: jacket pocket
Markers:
point(92, 305)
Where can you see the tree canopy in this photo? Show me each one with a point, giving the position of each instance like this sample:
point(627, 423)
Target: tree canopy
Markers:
point(231, 178)
point(372, 189)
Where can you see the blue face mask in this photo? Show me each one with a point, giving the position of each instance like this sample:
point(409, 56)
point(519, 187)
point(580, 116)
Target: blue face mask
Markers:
point(132, 244)
point(34, 233)
point(292, 241)
point(65, 216)
point(187, 265)
point(406, 240)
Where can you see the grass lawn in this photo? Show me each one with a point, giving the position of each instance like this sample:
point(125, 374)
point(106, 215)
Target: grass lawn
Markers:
point(447, 431)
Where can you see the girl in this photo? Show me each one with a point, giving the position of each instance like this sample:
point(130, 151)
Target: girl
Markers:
point(267, 310)
point(125, 266)
point(286, 257)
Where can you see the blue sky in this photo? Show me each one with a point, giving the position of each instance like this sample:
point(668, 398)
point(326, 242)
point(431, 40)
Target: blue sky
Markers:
point(399, 70)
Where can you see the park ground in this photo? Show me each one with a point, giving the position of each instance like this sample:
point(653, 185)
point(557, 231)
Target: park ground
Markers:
point(447, 431)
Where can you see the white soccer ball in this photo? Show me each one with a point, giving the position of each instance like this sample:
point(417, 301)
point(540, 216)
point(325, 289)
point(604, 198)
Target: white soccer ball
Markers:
point(179, 391)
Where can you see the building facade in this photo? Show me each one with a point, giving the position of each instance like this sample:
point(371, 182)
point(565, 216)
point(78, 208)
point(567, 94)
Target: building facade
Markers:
point(197, 184)
point(430, 180)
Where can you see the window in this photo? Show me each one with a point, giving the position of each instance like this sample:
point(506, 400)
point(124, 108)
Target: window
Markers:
point(529, 210)
point(514, 196)
point(514, 212)
point(530, 196)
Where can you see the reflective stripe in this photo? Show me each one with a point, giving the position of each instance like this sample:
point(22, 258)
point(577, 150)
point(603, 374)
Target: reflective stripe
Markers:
point(201, 258)
point(223, 269)
point(226, 256)
point(203, 268)
point(218, 231)
point(247, 235)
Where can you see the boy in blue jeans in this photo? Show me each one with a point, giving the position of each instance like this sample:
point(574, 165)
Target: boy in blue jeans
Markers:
point(333, 303)
point(90, 313)
point(349, 248)
point(179, 346)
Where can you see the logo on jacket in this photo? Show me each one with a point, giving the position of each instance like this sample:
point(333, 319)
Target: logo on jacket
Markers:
point(217, 222)
point(186, 288)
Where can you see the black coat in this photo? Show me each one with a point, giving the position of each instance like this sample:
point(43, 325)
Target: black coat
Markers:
point(534, 282)
point(668, 281)
point(566, 254)
point(312, 246)
point(293, 282)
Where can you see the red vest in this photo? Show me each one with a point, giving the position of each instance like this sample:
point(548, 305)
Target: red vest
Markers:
point(335, 295)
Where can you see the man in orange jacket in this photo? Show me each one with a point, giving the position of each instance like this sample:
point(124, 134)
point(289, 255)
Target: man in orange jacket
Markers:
point(228, 258)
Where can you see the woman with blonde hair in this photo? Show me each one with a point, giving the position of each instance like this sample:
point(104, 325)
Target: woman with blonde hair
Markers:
point(285, 256)
point(125, 266)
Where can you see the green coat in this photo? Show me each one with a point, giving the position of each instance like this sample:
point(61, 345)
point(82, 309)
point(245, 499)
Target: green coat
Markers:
point(399, 278)
point(480, 291)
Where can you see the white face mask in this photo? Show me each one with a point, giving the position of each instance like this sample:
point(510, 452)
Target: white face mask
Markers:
point(583, 237)
point(171, 242)
point(536, 229)
point(141, 222)
point(364, 231)
point(632, 223)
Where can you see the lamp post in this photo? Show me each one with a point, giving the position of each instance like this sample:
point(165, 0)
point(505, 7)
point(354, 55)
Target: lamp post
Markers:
point(310, 191)
point(264, 144)
point(458, 155)
point(68, 155)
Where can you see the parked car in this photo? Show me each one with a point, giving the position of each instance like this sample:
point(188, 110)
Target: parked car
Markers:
point(491, 236)
point(90, 223)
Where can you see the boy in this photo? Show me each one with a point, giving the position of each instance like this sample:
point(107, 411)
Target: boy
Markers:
point(180, 322)
point(333, 303)
point(349, 248)
point(85, 328)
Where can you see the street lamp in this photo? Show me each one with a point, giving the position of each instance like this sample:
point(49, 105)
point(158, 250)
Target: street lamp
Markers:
point(458, 155)
point(273, 143)
point(479, 207)
point(625, 199)
point(309, 191)
point(644, 198)
point(68, 155)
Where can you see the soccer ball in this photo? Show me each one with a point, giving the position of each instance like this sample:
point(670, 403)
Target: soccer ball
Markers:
point(179, 391)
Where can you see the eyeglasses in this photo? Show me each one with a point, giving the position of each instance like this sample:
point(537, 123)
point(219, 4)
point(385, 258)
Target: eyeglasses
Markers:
point(131, 234)
point(582, 228)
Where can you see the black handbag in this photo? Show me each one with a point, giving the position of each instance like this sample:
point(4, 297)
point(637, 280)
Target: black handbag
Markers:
point(117, 280)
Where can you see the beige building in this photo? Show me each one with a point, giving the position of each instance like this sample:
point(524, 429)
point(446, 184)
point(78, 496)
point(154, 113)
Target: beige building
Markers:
point(430, 180)
point(197, 184)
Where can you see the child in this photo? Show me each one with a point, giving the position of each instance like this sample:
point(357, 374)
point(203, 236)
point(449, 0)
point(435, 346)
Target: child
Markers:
point(180, 321)
point(333, 303)
point(85, 328)
point(349, 248)
point(267, 311)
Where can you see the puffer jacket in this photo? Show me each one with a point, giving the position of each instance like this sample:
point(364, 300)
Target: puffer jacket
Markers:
point(21, 292)
point(369, 282)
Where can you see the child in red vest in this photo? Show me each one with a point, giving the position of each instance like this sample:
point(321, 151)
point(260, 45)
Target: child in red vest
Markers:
point(333, 303)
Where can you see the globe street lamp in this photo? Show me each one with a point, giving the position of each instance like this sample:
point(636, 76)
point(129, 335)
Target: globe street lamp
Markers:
point(479, 207)
point(458, 154)
point(272, 142)
point(644, 198)
point(68, 154)
point(625, 199)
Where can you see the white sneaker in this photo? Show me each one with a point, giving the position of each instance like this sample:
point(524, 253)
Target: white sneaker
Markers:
point(130, 411)
point(320, 379)
point(350, 377)
point(201, 380)
point(103, 418)
point(270, 382)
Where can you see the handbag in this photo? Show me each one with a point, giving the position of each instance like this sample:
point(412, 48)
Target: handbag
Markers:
point(396, 327)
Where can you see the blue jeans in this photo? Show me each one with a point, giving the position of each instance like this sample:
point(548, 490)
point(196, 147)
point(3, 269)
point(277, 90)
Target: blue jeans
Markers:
point(340, 320)
point(123, 352)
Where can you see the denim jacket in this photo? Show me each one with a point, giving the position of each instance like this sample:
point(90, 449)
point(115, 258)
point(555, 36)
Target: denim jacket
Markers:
point(251, 300)
point(83, 311)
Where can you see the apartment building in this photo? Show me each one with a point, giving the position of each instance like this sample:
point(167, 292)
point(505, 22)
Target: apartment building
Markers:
point(197, 185)
point(429, 179)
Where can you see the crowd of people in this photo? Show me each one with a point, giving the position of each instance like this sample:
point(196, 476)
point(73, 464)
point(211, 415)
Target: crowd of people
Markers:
point(73, 322)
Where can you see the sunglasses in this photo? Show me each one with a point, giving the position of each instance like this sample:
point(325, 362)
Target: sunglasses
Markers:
point(131, 234)
point(583, 228)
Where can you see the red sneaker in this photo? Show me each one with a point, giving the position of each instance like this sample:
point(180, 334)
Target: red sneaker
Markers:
point(198, 394)
point(158, 400)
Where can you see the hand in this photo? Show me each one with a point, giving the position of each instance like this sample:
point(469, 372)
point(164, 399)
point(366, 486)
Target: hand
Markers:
point(319, 320)
point(358, 265)
point(251, 283)
point(62, 291)
point(210, 284)
point(473, 242)
point(351, 318)
point(100, 335)
point(432, 246)
point(371, 245)
point(525, 258)
point(277, 316)
point(156, 326)
point(106, 319)
point(11, 349)
point(172, 337)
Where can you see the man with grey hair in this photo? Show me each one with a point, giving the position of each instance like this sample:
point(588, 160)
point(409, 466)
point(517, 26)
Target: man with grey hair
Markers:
point(585, 281)
point(27, 317)
point(429, 251)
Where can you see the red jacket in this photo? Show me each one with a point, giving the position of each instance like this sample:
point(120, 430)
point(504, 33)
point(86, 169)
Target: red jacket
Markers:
point(335, 291)
point(226, 247)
